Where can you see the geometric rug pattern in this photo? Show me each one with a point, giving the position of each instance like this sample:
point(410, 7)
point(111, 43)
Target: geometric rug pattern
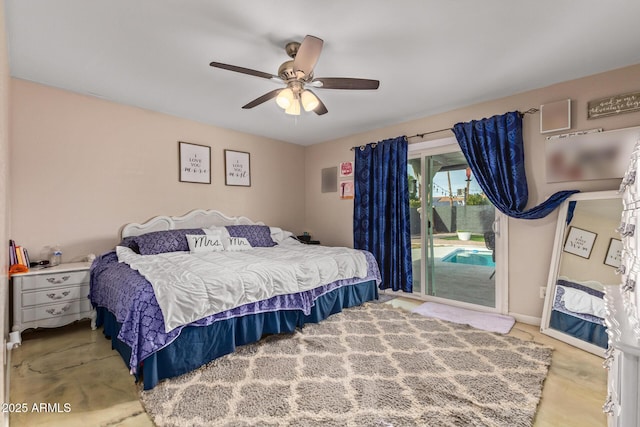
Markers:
point(372, 365)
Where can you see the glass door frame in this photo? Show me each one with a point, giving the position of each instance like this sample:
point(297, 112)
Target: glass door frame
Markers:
point(500, 227)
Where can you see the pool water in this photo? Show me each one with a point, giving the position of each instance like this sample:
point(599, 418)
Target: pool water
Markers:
point(470, 257)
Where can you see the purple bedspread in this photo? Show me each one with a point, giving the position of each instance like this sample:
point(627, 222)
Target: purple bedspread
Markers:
point(130, 298)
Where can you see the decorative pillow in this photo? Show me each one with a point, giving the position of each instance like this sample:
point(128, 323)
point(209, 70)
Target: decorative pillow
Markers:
point(257, 235)
point(238, 244)
point(204, 243)
point(278, 235)
point(130, 242)
point(159, 242)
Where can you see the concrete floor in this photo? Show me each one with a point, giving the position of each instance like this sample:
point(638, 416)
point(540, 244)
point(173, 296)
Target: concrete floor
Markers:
point(474, 284)
point(76, 366)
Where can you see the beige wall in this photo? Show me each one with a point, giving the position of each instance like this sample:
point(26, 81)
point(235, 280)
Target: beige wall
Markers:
point(593, 268)
point(82, 167)
point(4, 191)
point(530, 241)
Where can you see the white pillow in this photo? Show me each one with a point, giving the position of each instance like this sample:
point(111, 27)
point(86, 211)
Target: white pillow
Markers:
point(278, 235)
point(216, 230)
point(238, 244)
point(204, 243)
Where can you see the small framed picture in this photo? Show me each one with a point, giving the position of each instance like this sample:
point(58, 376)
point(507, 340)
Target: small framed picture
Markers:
point(555, 116)
point(194, 162)
point(346, 190)
point(579, 242)
point(346, 169)
point(237, 168)
point(614, 253)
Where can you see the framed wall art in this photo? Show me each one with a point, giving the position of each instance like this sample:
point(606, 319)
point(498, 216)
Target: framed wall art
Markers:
point(347, 190)
point(614, 253)
point(346, 169)
point(579, 242)
point(194, 162)
point(555, 116)
point(237, 168)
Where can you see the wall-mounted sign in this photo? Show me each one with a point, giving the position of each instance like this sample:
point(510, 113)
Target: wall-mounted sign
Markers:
point(237, 168)
point(613, 105)
point(194, 162)
point(579, 242)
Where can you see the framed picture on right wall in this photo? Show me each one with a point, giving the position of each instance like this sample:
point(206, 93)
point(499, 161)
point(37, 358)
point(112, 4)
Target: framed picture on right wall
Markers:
point(237, 168)
point(614, 253)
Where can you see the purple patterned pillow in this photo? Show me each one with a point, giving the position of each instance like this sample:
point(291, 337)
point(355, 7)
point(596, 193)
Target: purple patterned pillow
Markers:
point(257, 235)
point(130, 242)
point(159, 242)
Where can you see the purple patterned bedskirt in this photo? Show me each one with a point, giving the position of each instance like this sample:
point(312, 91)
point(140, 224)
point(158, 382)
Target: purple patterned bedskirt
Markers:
point(130, 298)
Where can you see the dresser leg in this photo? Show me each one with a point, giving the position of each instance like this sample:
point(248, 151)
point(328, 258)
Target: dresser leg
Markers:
point(94, 315)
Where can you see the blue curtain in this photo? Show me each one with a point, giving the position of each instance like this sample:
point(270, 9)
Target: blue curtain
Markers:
point(381, 210)
point(494, 150)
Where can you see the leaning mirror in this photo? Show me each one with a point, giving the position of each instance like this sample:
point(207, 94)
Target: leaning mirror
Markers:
point(585, 257)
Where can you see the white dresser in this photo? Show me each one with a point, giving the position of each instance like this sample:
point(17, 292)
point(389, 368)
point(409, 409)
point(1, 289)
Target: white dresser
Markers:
point(51, 297)
point(622, 301)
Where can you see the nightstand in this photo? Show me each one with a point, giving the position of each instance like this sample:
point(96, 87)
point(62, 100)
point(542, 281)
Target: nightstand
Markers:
point(51, 297)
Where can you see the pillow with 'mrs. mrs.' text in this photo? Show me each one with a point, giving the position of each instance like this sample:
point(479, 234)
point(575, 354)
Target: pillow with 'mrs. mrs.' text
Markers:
point(204, 243)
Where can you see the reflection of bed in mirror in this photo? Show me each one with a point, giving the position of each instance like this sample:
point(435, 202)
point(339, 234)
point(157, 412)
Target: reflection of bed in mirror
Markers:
point(574, 307)
point(578, 310)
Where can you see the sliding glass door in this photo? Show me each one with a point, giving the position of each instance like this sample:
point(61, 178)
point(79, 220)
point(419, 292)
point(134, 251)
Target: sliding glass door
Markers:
point(453, 229)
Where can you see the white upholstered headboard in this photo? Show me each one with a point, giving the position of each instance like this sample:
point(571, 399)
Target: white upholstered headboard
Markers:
point(198, 218)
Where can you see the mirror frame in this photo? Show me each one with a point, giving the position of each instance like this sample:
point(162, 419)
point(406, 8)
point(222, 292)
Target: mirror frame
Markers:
point(554, 268)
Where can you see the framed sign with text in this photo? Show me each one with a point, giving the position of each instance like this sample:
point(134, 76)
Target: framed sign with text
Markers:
point(614, 253)
point(195, 163)
point(579, 242)
point(237, 168)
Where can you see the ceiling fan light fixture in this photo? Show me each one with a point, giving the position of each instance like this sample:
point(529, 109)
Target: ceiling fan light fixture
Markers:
point(309, 100)
point(294, 108)
point(285, 99)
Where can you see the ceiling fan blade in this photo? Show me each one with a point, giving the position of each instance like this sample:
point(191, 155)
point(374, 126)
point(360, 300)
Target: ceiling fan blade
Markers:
point(345, 83)
point(264, 98)
point(245, 71)
point(308, 54)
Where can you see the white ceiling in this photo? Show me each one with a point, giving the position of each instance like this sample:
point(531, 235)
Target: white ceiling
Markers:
point(430, 56)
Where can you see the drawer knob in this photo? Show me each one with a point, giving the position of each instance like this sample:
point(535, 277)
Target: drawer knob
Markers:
point(58, 296)
point(628, 179)
point(630, 285)
point(608, 406)
point(608, 361)
point(57, 281)
point(64, 309)
point(629, 230)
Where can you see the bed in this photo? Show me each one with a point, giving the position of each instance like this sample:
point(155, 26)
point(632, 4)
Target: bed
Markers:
point(578, 310)
point(169, 306)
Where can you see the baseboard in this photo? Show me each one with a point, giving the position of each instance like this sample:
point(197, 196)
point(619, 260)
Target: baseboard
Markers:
point(529, 320)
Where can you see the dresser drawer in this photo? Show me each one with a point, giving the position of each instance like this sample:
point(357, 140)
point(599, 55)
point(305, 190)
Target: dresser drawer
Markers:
point(43, 281)
point(55, 295)
point(52, 311)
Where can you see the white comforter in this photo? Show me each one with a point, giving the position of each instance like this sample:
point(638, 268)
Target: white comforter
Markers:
point(190, 286)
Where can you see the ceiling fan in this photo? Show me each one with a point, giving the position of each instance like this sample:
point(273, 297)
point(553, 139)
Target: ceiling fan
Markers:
point(297, 75)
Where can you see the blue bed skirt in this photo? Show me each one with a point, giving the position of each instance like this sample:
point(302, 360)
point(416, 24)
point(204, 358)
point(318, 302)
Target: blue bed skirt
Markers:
point(587, 331)
point(199, 345)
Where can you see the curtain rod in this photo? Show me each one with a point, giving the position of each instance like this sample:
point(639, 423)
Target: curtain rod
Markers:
point(422, 135)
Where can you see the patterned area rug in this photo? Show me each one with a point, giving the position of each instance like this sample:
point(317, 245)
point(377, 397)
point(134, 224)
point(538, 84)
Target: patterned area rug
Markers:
point(367, 366)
